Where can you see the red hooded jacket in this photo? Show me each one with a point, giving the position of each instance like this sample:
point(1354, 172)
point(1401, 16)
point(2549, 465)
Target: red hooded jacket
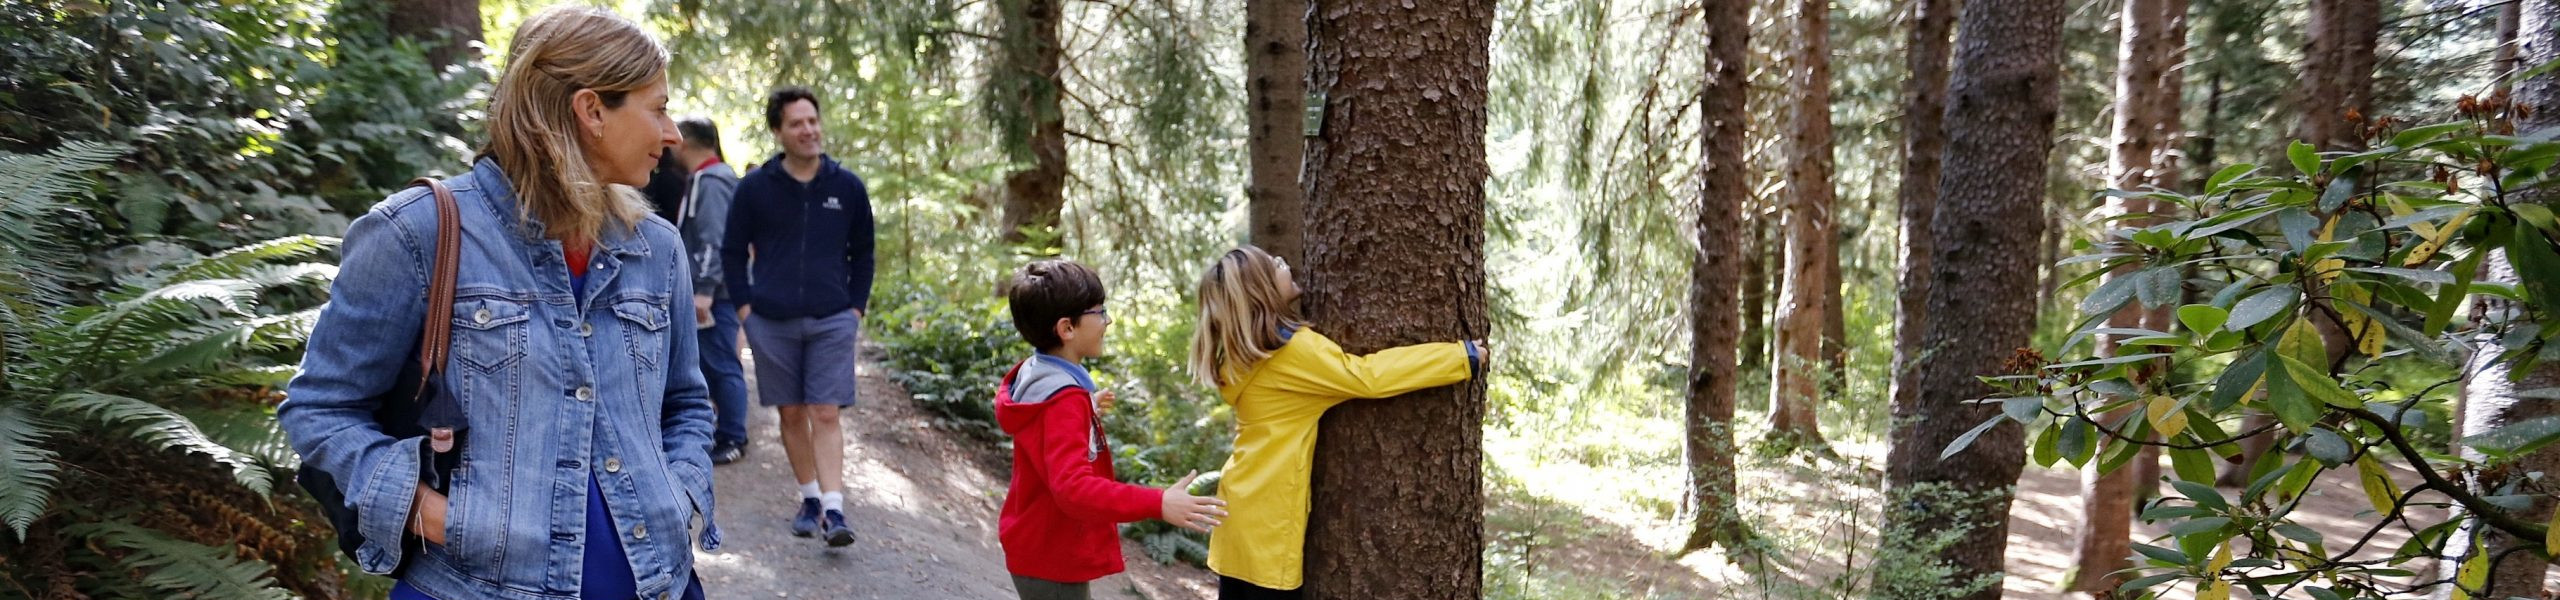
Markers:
point(1061, 513)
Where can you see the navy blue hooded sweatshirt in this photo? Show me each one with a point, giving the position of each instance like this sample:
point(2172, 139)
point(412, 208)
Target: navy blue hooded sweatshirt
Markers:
point(813, 242)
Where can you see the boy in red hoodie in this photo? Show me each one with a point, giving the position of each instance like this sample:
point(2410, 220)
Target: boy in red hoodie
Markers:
point(1061, 514)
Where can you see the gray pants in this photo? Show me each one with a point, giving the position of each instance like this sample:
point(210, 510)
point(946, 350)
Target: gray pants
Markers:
point(1042, 589)
point(807, 360)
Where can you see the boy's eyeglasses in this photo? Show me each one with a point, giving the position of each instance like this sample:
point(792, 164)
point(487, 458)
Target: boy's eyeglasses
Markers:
point(1105, 313)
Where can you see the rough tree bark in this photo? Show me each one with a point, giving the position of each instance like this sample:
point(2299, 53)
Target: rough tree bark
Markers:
point(2002, 101)
point(1029, 54)
point(1924, 100)
point(2148, 86)
point(1796, 381)
point(1275, 64)
point(1395, 239)
point(1715, 274)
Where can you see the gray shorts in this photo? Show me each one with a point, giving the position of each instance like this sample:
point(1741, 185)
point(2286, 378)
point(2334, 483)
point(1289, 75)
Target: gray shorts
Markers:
point(808, 360)
point(1033, 588)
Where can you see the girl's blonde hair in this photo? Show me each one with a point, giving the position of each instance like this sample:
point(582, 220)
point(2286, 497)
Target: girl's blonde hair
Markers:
point(1241, 316)
point(533, 126)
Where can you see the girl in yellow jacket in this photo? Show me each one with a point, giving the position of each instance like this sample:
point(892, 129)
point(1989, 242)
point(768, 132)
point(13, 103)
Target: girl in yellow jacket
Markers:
point(1280, 377)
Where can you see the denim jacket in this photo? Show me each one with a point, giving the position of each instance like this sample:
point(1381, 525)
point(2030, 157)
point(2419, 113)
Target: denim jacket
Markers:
point(556, 386)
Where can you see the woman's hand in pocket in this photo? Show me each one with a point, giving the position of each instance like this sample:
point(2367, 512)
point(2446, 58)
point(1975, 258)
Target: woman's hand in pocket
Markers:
point(426, 517)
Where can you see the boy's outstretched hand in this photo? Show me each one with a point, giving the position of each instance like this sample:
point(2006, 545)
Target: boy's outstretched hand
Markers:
point(1196, 513)
point(1106, 399)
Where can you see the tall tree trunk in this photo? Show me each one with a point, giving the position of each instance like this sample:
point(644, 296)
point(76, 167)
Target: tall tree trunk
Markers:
point(1275, 65)
point(1395, 255)
point(1028, 56)
point(1755, 285)
point(2146, 126)
point(2052, 241)
point(2207, 132)
point(2489, 397)
point(1795, 389)
point(1835, 318)
point(2002, 101)
point(2337, 72)
point(1924, 136)
point(2335, 97)
point(1715, 273)
point(446, 28)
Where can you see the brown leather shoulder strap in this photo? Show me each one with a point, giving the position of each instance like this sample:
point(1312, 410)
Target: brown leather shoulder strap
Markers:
point(437, 342)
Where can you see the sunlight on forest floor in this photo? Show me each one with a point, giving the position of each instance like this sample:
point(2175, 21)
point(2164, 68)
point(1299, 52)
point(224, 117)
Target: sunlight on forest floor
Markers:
point(1578, 511)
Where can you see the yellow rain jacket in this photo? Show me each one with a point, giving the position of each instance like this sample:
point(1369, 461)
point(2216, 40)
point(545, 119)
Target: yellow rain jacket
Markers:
point(1277, 403)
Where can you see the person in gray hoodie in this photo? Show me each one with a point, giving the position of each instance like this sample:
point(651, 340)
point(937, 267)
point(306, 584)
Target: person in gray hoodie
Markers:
point(703, 219)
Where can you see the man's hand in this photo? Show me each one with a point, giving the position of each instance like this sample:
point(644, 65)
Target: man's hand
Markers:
point(427, 518)
point(701, 310)
point(742, 312)
point(1196, 513)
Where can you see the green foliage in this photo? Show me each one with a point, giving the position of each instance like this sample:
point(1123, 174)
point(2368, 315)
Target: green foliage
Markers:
point(245, 120)
point(180, 567)
point(949, 355)
point(71, 399)
point(2381, 246)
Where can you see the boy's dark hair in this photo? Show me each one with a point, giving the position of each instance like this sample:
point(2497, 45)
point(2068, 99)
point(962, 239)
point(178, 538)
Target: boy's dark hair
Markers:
point(784, 97)
point(1043, 292)
point(700, 133)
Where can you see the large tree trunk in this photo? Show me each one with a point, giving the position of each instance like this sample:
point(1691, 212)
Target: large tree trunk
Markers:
point(2489, 397)
point(2003, 98)
point(1275, 72)
point(2148, 82)
point(1924, 136)
point(1796, 382)
point(2337, 72)
point(446, 28)
point(1029, 55)
point(1715, 273)
point(1395, 242)
point(1755, 285)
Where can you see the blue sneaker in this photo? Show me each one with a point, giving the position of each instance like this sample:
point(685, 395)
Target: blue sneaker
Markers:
point(806, 523)
point(837, 533)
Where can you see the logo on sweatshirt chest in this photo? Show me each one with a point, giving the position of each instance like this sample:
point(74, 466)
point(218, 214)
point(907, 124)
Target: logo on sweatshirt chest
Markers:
point(833, 204)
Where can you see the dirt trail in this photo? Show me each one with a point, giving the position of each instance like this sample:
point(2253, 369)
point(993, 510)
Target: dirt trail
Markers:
point(922, 500)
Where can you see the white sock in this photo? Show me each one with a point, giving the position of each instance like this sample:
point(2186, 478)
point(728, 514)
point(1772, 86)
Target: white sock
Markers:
point(832, 501)
point(809, 490)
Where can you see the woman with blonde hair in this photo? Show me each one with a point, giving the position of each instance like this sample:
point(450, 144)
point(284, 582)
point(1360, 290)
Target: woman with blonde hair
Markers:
point(579, 464)
point(1280, 376)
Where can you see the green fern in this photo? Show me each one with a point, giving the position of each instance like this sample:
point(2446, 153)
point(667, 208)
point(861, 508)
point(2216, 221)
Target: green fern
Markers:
point(165, 429)
point(238, 263)
point(35, 260)
point(185, 569)
point(26, 467)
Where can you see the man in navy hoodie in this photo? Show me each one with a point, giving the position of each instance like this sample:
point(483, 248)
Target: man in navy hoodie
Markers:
point(806, 221)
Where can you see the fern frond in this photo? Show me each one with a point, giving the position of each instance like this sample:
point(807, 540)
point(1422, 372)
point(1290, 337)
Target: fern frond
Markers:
point(259, 376)
point(36, 256)
point(165, 429)
point(250, 430)
point(185, 569)
point(26, 466)
point(237, 263)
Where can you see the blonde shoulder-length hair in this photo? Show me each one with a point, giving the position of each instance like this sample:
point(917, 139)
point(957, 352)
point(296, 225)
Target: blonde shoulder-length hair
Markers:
point(533, 127)
point(1241, 316)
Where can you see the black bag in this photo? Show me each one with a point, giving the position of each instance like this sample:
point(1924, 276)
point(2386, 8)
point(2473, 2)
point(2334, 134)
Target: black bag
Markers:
point(413, 407)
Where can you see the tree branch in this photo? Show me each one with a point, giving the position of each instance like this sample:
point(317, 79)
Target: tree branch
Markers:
point(2486, 512)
